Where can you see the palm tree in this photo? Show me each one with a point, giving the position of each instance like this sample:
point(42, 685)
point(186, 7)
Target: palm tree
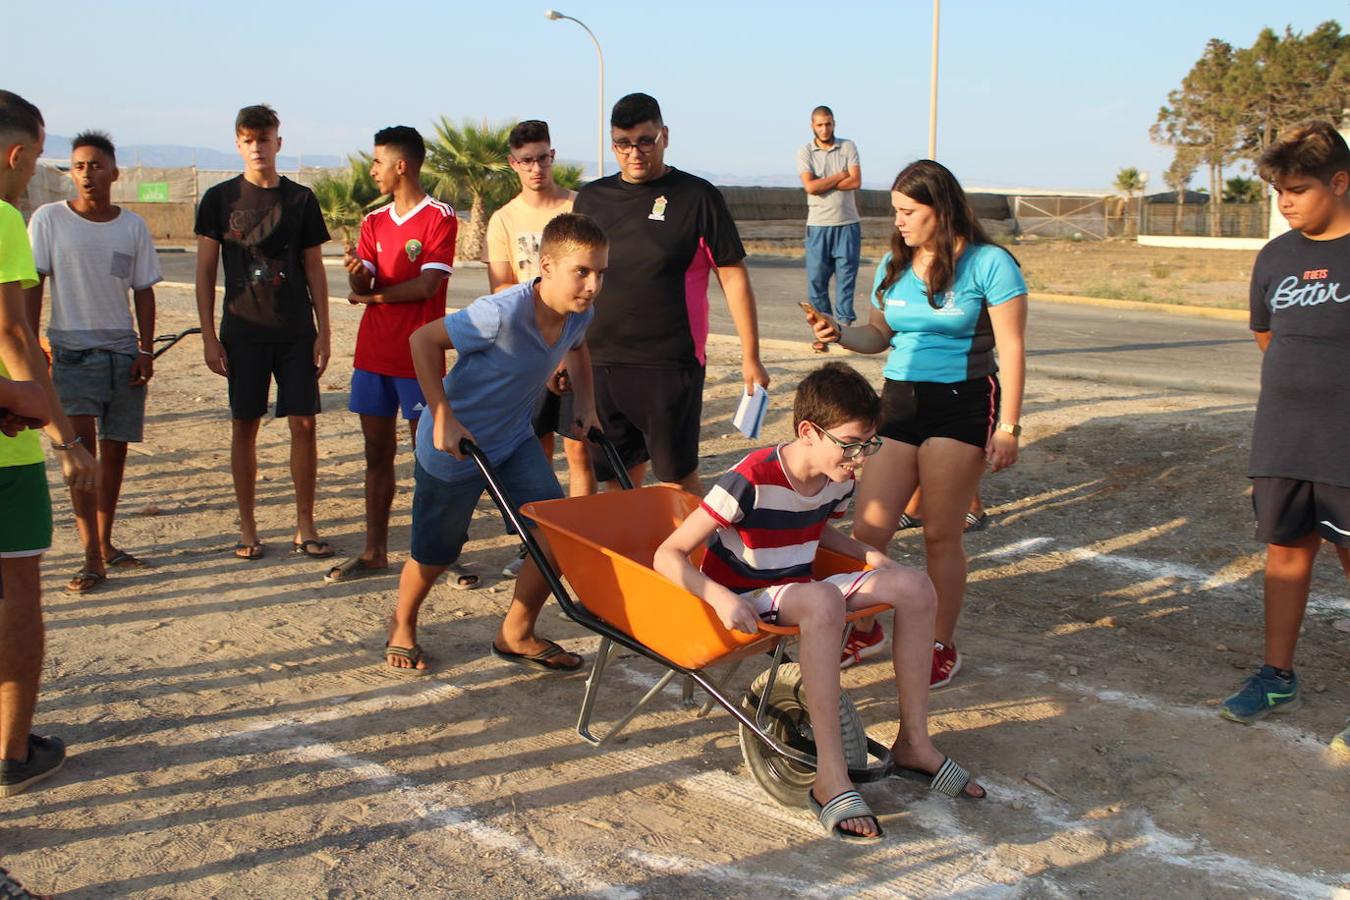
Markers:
point(470, 161)
point(346, 196)
point(1130, 182)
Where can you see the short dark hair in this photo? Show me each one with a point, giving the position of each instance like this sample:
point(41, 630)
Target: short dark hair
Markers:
point(570, 232)
point(259, 117)
point(833, 395)
point(1314, 149)
point(634, 109)
point(406, 140)
point(99, 140)
point(822, 111)
point(18, 116)
point(531, 131)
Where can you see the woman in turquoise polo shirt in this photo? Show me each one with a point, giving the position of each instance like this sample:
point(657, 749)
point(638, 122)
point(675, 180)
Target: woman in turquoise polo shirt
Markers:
point(943, 298)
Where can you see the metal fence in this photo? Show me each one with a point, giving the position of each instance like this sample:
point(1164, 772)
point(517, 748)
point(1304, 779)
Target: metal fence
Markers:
point(1247, 220)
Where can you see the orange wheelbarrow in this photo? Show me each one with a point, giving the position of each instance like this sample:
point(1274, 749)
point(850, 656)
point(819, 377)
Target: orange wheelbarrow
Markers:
point(604, 546)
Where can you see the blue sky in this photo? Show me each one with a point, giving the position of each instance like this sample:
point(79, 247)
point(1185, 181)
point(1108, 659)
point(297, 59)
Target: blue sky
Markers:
point(1040, 93)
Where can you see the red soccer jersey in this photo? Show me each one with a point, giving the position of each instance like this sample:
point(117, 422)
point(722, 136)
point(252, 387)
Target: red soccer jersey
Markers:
point(396, 250)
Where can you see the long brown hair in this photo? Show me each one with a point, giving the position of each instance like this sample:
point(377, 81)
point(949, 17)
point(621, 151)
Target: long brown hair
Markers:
point(933, 184)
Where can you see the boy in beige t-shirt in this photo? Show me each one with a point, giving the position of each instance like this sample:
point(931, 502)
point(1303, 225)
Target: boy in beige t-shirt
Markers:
point(513, 258)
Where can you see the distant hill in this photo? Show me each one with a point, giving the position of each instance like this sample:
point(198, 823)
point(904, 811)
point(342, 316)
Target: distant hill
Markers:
point(170, 156)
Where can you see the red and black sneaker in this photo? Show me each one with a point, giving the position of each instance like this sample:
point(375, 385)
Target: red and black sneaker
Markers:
point(862, 644)
point(946, 663)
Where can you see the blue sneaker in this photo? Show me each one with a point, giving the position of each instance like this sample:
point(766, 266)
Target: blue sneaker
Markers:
point(1262, 694)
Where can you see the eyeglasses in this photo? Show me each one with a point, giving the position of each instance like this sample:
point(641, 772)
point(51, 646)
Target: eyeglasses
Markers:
point(529, 162)
point(854, 449)
point(644, 144)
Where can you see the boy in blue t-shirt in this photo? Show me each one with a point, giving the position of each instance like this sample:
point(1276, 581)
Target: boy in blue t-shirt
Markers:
point(508, 344)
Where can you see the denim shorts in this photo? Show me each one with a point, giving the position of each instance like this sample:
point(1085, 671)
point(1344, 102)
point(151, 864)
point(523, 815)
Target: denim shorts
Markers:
point(442, 510)
point(98, 383)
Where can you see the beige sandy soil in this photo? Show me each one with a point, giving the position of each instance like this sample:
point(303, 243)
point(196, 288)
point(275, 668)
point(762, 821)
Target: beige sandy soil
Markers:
point(234, 731)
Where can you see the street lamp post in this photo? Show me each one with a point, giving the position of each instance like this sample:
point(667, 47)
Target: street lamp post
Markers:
point(933, 86)
point(600, 105)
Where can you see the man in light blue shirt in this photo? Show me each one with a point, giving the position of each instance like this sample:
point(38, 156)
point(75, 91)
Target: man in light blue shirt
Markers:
point(830, 173)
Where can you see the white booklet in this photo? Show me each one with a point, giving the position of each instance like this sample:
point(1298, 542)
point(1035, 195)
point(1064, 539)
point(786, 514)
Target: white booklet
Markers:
point(750, 414)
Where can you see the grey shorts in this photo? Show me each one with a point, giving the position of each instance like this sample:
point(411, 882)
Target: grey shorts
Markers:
point(98, 383)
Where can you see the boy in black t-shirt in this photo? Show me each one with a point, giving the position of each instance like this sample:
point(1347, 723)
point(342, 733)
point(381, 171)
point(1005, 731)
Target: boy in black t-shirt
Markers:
point(1300, 314)
point(270, 233)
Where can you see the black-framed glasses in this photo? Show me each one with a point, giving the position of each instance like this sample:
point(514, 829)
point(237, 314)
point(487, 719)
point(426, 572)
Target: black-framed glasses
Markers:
point(528, 162)
point(643, 144)
point(853, 449)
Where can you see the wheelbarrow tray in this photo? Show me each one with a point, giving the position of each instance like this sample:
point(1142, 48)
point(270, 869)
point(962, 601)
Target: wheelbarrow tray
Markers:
point(604, 545)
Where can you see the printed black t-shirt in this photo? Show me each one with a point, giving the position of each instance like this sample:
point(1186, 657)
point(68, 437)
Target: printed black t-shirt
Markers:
point(1301, 294)
point(263, 233)
point(665, 237)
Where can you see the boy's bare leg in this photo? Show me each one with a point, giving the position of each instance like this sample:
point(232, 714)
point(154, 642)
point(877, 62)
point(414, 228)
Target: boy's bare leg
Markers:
point(112, 460)
point(1288, 577)
point(381, 440)
point(818, 610)
point(516, 634)
point(304, 475)
point(86, 503)
point(244, 470)
point(413, 586)
point(580, 475)
point(21, 644)
point(910, 593)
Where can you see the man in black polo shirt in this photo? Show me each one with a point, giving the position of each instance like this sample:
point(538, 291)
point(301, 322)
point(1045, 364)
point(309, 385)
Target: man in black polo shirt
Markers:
point(667, 230)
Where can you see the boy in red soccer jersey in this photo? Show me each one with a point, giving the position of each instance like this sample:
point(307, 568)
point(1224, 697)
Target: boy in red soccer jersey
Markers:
point(398, 270)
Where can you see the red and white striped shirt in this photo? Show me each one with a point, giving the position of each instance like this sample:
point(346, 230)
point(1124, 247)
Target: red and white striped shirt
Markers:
point(769, 530)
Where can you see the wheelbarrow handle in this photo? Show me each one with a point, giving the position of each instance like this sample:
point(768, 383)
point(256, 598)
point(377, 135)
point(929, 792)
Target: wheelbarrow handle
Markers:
point(168, 340)
point(510, 512)
point(597, 437)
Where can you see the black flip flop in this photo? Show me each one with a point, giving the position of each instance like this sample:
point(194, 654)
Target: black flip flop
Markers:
point(354, 568)
point(313, 548)
point(539, 660)
point(255, 550)
point(413, 655)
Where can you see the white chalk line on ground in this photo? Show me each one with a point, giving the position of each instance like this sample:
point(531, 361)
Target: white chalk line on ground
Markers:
point(437, 804)
point(978, 870)
point(1151, 568)
point(1186, 853)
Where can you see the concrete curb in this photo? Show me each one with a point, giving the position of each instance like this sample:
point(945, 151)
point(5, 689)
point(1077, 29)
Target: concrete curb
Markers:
point(1175, 309)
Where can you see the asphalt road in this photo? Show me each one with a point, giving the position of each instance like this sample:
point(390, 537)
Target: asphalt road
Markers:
point(1119, 346)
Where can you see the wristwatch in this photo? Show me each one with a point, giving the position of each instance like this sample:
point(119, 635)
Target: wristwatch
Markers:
point(1014, 429)
point(57, 445)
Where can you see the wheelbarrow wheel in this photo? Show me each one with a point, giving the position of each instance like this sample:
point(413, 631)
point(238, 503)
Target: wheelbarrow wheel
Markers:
point(786, 719)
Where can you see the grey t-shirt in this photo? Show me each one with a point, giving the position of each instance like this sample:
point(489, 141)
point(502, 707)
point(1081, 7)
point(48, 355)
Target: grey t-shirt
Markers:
point(1300, 293)
point(831, 207)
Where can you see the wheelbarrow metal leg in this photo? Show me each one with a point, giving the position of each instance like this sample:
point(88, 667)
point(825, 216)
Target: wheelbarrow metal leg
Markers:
point(778, 651)
point(722, 686)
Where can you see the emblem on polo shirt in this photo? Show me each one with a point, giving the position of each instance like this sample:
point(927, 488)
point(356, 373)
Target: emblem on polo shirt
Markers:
point(413, 248)
point(658, 212)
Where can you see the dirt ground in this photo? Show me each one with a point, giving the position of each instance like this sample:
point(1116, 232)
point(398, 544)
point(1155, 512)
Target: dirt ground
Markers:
point(1114, 269)
point(234, 732)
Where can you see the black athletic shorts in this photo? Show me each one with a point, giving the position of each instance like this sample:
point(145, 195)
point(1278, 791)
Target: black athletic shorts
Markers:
point(1288, 509)
point(252, 366)
point(650, 414)
point(553, 413)
point(914, 411)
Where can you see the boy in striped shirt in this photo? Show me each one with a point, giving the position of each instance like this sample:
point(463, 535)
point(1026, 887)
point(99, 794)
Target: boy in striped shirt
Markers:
point(762, 523)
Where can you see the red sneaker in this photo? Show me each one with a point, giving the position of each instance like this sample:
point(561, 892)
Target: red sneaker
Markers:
point(862, 644)
point(946, 663)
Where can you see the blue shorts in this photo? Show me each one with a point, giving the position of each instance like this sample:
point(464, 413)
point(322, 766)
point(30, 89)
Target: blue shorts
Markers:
point(384, 395)
point(442, 509)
